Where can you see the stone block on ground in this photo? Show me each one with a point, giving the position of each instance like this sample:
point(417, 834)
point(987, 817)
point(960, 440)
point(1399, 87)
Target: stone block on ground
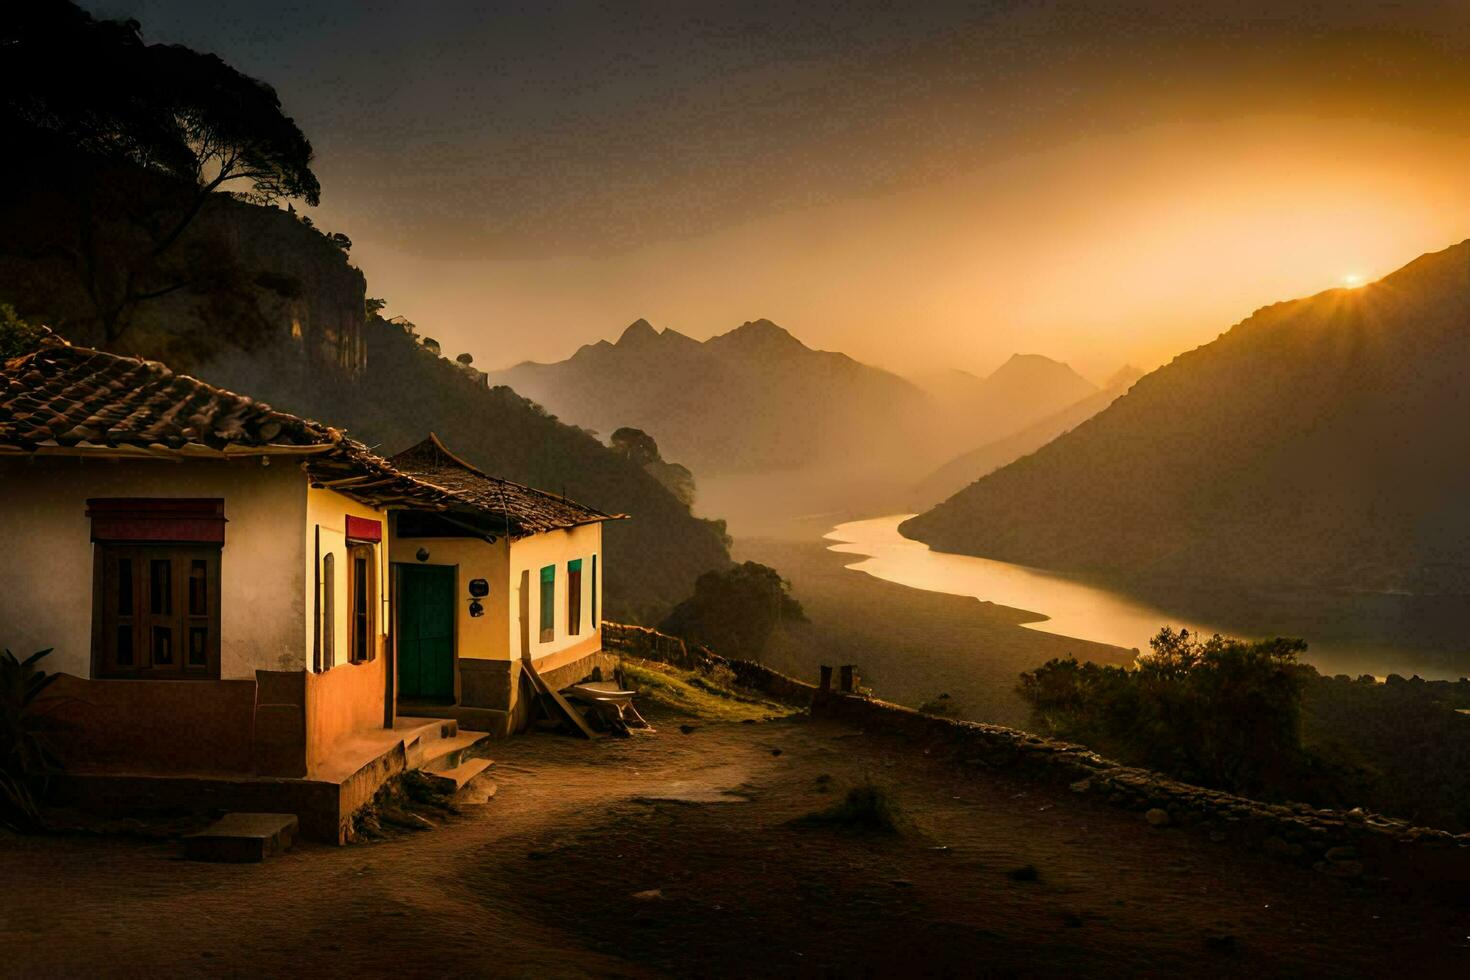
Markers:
point(242, 838)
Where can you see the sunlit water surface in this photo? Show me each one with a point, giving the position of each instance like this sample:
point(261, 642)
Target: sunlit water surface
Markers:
point(1352, 635)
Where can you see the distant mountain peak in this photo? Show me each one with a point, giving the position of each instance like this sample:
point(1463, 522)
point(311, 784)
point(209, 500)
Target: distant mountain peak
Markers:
point(762, 334)
point(639, 331)
point(1029, 363)
point(1125, 377)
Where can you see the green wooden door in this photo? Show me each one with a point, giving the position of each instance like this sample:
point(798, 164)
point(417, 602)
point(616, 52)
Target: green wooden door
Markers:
point(426, 632)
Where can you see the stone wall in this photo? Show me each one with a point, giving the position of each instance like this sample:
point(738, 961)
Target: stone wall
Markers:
point(1343, 843)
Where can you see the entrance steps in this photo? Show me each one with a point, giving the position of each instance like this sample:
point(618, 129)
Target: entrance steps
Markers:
point(451, 781)
point(439, 749)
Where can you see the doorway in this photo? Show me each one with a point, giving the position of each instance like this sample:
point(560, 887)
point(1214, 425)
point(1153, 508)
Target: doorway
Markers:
point(426, 633)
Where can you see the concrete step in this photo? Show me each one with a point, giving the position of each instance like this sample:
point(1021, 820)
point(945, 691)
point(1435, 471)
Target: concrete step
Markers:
point(444, 754)
point(242, 838)
point(481, 789)
point(427, 726)
point(423, 743)
point(453, 780)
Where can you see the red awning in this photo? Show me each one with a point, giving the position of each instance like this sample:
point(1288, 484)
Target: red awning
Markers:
point(362, 529)
point(163, 519)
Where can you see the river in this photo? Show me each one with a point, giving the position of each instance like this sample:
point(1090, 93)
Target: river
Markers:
point(1348, 634)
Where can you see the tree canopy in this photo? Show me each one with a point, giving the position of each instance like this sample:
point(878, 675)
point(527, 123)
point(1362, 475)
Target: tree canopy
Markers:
point(637, 445)
point(642, 450)
point(736, 611)
point(164, 107)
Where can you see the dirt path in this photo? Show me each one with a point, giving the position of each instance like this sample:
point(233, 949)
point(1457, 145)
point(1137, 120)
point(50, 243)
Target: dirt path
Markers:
point(541, 882)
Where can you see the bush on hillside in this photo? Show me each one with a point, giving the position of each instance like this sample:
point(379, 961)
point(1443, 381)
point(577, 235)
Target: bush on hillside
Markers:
point(735, 612)
point(1247, 717)
point(1220, 711)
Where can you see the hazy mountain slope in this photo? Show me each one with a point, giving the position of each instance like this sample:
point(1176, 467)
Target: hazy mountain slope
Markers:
point(1022, 391)
point(1320, 441)
point(753, 399)
point(971, 466)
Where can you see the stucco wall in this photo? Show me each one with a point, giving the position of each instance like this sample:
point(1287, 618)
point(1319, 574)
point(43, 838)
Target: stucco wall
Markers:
point(327, 511)
point(46, 572)
point(529, 555)
point(477, 637)
point(345, 699)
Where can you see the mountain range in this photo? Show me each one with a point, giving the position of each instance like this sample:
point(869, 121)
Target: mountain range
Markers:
point(1319, 442)
point(752, 399)
point(757, 399)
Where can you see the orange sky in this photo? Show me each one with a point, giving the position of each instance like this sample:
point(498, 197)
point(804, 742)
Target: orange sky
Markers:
point(923, 185)
point(1098, 251)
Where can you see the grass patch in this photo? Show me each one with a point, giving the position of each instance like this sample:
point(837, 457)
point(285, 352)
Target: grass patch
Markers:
point(697, 695)
point(866, 807)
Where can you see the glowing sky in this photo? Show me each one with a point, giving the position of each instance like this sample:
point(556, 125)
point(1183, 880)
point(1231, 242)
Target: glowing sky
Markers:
point(921, 186)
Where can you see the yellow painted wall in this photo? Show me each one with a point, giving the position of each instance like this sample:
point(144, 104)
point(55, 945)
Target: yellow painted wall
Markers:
point(530, 555)
point(496, 635)
point(477, 637)
point(46, 573)
point(328, 510)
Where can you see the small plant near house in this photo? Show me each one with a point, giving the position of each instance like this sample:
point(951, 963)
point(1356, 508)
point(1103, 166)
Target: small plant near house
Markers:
point(24, 759)
point(867, 808)
point(944, 706)
point(17, 337)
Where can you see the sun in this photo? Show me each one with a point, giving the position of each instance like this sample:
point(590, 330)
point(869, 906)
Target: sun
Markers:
point(1353, 280)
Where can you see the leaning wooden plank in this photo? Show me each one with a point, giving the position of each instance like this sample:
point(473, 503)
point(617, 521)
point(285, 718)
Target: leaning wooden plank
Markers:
point(572, 714)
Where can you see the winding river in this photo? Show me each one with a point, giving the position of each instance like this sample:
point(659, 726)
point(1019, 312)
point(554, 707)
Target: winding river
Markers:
point(1359, 634)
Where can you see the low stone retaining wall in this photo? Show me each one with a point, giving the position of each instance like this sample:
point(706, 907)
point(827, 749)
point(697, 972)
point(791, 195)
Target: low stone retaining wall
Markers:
point(1347, 844)
point(649, 644)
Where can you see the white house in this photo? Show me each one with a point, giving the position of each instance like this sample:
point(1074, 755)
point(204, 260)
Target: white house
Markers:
point(228, 601)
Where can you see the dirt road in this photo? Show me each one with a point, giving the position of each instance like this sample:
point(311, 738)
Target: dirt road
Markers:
point(673, 855)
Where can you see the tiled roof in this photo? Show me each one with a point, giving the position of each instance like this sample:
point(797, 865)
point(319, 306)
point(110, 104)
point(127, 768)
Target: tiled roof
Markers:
point(67, 396)
point(525, 510)
point(68, 399)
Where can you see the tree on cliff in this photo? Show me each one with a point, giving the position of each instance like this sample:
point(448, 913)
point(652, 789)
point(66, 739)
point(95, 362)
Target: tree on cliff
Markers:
point(165, 109)
point(735, 612)
point(640, 448)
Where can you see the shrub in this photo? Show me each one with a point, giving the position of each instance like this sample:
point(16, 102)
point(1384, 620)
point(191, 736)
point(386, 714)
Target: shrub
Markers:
point(1221, 711)
point(24, 759)
point(944, 706)
point(866, 807)
point(17, 337)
